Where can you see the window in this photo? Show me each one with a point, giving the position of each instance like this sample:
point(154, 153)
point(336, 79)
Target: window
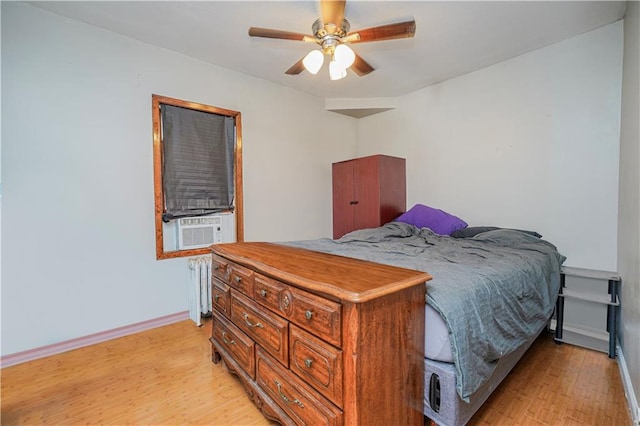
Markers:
point(197, 165)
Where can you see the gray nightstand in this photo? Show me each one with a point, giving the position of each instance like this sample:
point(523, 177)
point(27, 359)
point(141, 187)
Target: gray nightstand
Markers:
point(610, 300)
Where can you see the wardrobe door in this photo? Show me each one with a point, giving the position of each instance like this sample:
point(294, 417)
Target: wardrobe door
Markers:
point(343, 198)
point(366, 186)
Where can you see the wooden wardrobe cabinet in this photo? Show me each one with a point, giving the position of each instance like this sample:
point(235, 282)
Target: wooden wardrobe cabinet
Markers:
point(367, 192)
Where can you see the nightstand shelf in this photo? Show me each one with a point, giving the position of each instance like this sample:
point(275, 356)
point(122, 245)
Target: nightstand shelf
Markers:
point(610, 300)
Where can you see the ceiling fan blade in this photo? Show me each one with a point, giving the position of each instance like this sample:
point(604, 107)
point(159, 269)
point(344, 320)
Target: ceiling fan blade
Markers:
point(361, 67)
point(385, 32)
point(296, 68)
point(332, 12)
point(285, 35)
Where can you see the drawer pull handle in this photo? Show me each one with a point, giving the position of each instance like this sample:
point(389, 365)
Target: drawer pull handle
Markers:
point(308, 315)
point(263, 293)
point(308, 362)
point(238, 279)
point(224, 339)
point(216, 297)
point(284, 397)
point(246, 321)
point(216, 268)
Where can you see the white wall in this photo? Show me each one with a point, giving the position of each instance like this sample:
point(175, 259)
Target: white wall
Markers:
point(532, 143)
point(629, 207)
point(78, 224)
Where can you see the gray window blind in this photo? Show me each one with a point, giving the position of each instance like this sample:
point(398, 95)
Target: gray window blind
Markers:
point(198, 162)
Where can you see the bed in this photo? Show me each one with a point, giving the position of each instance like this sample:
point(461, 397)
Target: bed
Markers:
point(491, 295)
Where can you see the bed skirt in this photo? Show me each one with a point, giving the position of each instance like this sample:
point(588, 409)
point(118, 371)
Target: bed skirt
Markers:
point(443, 405)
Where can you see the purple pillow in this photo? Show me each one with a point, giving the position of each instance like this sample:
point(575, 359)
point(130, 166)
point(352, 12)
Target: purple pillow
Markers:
point(437, 220)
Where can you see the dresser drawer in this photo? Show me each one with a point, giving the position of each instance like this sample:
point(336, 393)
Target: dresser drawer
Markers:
point(313, 313)
point(269, 293)
point(317, 363)
point(241, 278)
point(230, 339)
point(221, 297)
point(219, 268)
point(267, 329)
point(304, 405)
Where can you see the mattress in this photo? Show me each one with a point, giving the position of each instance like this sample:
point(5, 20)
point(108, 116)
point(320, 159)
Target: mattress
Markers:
point(436, 337)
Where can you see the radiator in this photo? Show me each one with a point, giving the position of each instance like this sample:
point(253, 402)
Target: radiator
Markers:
point(199, 288)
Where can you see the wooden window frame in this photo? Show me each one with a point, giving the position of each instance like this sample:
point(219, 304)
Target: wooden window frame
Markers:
point(156, 100)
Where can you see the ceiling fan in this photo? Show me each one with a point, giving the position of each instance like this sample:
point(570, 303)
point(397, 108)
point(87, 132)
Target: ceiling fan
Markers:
point(331, 33)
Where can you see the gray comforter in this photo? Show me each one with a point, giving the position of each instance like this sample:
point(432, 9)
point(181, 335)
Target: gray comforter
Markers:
point(493, 291)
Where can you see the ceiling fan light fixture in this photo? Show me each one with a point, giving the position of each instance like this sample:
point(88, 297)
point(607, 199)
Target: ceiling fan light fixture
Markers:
point(313, 61)
point(332, 33)
point(336, 71)
point(344, 56)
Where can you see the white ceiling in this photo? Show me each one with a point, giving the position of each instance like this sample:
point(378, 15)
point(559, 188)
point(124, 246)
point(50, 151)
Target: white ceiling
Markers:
point(452, 37)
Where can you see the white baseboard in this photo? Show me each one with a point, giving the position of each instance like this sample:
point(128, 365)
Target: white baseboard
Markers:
point(632, 400)
point(57, 348)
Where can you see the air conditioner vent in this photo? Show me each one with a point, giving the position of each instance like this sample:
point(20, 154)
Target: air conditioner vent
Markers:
point(198, 232)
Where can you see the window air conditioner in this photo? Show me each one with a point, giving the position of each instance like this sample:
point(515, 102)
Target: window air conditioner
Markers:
point(198, 232)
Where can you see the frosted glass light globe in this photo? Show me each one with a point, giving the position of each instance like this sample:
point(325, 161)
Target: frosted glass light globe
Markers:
point(344, 56)
point(313, 61)
point(336, 72)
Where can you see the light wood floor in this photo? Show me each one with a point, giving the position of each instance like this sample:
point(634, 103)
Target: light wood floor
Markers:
point(165, 377)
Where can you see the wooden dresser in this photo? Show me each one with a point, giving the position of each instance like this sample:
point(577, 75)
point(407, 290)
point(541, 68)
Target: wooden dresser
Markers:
point(320, 339)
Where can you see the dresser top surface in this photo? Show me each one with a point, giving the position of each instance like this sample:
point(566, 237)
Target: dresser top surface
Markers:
point(345, 278)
